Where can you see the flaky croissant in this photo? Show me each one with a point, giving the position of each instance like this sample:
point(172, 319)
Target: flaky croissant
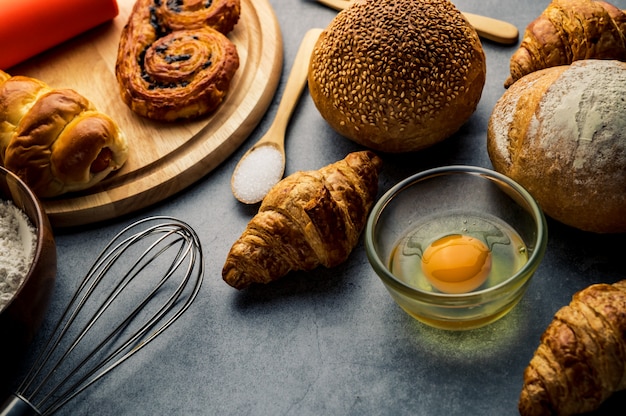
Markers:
point(568, 31)
point(308, 219)
point(581, 360)
point(54, 139)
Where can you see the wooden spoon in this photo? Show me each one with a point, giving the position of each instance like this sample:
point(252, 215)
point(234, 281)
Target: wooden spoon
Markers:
point(486, 27)
point(263, 165)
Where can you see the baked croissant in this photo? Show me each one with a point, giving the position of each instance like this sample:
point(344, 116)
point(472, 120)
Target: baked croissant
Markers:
point(54, 139)
point(581, 360)
point(308, 219)
point(177, 63)
point(568, 31)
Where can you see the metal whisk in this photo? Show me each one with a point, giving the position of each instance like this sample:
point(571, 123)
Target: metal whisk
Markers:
point(142, 282)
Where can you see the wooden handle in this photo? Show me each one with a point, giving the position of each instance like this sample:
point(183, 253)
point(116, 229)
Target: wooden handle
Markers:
point(493, 29)
point(486, 27)
point(295, 84)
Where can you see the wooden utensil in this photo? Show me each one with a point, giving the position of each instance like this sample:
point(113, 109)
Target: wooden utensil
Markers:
point(263, 165)
point(486, 27)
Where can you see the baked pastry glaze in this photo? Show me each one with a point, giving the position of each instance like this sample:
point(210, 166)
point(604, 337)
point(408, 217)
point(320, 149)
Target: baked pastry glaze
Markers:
point(55, 140)
point(174, 59)
point(568, 31)
point(221, 15)
point(308, 219)
point(581, 359)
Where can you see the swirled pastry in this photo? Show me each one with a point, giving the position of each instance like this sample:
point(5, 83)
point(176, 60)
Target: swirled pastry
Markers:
point(169, 73)
point(221, 15)
point(54, 139)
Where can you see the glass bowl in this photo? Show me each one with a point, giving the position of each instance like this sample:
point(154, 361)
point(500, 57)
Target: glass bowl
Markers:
point(456, 246)
point(22, 314)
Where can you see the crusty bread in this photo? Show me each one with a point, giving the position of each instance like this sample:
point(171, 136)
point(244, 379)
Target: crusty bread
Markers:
point(55, 139)
point(397, 76)
point(561, 133)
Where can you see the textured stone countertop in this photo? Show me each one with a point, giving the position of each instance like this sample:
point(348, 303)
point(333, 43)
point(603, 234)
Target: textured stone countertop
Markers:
point(332, 342)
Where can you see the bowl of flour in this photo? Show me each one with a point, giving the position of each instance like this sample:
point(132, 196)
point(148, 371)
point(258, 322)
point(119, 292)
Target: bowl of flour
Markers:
point(17, 250)
point(28, 266)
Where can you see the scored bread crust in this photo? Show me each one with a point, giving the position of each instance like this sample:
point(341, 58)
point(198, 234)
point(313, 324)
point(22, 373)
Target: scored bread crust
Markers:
point(561, 133)
point(397, 76)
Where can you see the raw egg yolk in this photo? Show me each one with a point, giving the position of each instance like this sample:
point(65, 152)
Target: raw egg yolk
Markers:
point(456, 263)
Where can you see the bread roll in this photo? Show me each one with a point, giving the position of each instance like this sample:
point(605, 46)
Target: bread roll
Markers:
point(16, 98)
point(561, 133)
point(55, 139)
point(397, 76)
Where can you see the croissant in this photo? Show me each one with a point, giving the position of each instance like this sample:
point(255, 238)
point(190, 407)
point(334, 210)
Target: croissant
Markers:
point(568, 31)
point(581, 359)
point(174, 60)
point(54, 139)
point(308, 219)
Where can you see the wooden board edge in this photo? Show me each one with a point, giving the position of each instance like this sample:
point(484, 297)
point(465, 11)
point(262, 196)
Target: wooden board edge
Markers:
point(111, 203)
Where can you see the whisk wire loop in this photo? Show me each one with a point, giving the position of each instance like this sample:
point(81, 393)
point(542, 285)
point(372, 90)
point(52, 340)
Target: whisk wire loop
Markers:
point(121, 286)
point(169, 235)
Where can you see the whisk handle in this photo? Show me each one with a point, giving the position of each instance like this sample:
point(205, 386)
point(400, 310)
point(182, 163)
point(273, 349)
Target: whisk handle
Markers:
point(16, 405)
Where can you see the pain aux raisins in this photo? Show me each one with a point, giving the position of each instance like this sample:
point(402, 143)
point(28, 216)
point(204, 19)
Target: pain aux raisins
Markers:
point(176, 5)
point(159, 30)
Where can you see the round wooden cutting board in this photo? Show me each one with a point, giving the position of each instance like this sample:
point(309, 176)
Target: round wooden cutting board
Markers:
point(164, 158)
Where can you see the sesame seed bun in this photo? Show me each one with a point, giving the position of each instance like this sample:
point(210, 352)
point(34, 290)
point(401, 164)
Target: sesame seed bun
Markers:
point(397, 76)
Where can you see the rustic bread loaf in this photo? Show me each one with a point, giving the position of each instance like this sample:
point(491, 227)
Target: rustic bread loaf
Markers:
point(397, 76)
point(561, 133)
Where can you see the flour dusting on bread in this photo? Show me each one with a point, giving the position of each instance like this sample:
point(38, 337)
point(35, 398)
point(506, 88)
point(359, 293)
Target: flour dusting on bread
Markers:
point(586, 105)
point(561, 133)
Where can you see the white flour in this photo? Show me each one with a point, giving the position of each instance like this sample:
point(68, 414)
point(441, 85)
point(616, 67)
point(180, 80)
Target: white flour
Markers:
point(17, 248)
point(583, 120)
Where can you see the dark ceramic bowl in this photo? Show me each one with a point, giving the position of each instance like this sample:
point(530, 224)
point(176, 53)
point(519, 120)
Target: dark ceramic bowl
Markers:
point(22, 316)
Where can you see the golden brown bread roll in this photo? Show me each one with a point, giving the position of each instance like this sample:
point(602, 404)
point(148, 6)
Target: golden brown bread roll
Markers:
point(581, 359)
point(397, 76)
point(16, 98)
point(174, 63)
point(568, 31)
point(561, 133)
point(55, 139)
point(307, 219)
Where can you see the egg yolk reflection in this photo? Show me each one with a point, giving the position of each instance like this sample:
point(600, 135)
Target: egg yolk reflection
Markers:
point(456, 263)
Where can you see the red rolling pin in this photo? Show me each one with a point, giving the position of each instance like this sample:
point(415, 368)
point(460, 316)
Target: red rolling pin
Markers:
point(28, 27)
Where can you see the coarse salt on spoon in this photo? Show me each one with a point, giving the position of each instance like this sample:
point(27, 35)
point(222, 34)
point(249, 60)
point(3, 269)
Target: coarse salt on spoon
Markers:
point(263, 165)
point(486, 27)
